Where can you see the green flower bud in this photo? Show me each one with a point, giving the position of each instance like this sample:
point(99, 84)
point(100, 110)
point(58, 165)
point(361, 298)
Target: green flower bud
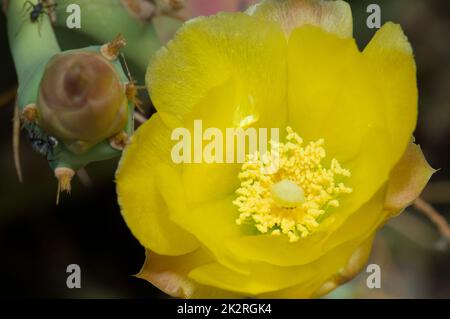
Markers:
point(81, 100)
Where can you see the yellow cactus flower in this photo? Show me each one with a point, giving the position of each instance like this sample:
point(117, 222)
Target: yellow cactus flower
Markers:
point(346, 162)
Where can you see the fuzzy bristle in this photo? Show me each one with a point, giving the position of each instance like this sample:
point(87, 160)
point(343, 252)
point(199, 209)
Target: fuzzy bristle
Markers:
point(131, 91)
point(111, 50)
point(119, 141)
point(29, 114)
point(64, 176)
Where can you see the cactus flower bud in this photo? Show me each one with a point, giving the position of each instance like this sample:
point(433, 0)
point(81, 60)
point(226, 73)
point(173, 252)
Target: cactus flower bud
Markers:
point(82, 100)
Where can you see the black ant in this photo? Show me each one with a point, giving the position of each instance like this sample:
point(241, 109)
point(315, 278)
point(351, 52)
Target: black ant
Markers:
point(37, 10)
point(42, 144)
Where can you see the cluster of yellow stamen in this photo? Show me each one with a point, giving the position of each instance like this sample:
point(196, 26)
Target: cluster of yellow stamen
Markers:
point(287, 190)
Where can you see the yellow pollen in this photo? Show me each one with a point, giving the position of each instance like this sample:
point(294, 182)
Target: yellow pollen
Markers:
point(288, 190)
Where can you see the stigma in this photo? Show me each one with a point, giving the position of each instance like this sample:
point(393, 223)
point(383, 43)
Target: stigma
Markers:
point(287, 194)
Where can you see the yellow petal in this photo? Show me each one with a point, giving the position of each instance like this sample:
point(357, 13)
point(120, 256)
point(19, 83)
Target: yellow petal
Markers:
point(169, 274)
point(342, 95)
point(330, 94)
point(323, 284)
point(332, 16)
point(206, 182)
point(143, 207)
point(211, 181)
point(227, 78)
point(264, 278)
point(408, 179)
point(391, 57)
point(355, 264)
point(234, 51)
point(211, 222)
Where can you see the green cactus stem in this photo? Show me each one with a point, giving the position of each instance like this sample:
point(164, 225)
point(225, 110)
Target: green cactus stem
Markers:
point(101, 20)
point(32, 43)
point(58, 95)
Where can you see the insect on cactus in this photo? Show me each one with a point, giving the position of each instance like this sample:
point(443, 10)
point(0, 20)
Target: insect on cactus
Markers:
point(38, 9)
point(77, 105)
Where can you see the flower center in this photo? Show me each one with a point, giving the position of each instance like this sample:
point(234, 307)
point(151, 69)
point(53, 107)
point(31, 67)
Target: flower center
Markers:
point(287, 194)
point(288, 190)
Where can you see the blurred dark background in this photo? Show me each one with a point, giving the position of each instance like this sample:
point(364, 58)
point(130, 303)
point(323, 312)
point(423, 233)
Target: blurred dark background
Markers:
point(39, 239)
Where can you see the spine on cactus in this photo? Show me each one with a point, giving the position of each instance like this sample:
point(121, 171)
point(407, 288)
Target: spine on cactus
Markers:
point(74, 104)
